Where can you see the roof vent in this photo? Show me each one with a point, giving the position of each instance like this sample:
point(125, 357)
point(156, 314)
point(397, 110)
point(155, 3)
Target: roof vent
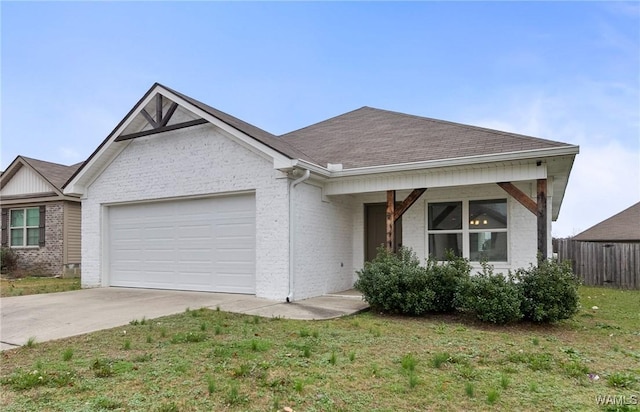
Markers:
point(334, 167)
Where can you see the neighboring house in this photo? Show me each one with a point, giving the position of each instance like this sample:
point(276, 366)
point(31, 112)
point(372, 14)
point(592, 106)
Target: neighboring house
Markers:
point(183, 196)
point(623, 227)
point(607, 253)
point(39, 222)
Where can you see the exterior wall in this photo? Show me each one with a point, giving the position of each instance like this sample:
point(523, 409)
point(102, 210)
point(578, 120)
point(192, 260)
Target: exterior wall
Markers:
point(46, 260)
point(323, 256)
point(195, 161)
point(522, 228)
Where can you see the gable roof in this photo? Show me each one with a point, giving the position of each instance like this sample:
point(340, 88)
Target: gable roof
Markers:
point(372, 137)
point(622, 227)
point(263, 140)
point(53, 173)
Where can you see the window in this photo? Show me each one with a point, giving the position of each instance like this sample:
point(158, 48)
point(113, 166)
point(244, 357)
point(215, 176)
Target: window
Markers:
point(488, 230)
point(445, 229)
point(24, 227)
point(475, 229)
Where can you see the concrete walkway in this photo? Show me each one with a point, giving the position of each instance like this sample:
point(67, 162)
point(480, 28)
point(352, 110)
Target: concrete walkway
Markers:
point(60, 315)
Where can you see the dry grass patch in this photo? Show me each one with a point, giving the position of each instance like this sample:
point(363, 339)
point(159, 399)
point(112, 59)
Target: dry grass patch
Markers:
point(430, 363)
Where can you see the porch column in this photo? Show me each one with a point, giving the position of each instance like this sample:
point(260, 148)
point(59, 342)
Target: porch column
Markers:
point(391, 212)
point(542, 219)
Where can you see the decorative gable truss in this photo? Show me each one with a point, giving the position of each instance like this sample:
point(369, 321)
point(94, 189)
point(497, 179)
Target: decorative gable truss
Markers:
point(164, 111)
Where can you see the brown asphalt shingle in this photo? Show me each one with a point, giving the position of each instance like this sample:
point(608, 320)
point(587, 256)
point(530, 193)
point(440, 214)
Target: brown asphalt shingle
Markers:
point(372, 137)
point(622, 227)
point(55, 173)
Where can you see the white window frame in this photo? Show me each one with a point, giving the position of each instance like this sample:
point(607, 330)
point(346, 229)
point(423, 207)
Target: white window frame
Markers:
point(466, 228)
point(24, 228)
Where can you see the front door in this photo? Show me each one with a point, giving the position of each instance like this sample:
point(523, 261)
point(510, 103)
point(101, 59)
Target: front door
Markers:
point(375, 229)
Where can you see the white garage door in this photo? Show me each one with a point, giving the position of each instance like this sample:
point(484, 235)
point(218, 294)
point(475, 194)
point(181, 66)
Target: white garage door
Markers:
point(196, 244)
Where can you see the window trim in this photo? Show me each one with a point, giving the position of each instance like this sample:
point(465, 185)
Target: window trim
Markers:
point(24, 228)
point(466, 228)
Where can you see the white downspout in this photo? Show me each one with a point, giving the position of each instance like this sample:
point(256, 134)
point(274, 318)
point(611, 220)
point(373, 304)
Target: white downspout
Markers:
point(292, 231)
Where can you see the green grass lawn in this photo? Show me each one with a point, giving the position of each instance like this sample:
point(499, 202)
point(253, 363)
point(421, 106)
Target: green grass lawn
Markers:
point(210, 360)
point(36, 285)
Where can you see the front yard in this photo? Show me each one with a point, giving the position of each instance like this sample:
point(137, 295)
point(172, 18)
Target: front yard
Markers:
point(211, 360)
point(36, 285)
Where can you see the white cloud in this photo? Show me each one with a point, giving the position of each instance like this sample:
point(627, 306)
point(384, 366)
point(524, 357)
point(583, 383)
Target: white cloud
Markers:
point(603, 119)
point(604, 181)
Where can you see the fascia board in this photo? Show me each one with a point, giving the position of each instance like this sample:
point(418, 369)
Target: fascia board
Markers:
point(459, 161)
point(324, 174)
point(431, 164)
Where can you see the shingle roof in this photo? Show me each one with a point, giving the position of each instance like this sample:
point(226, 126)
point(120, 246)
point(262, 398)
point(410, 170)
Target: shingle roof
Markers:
point(372, 137)
point(55, 173)
point(624, 226)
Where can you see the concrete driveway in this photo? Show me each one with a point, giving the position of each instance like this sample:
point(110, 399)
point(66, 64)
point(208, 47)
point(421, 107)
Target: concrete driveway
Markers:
point(60, 315)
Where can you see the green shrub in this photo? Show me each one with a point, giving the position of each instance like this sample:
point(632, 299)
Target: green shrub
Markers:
point(396, 283)
point(549, 291)
point(8, 260)
point(490, 297)
point(444, 279)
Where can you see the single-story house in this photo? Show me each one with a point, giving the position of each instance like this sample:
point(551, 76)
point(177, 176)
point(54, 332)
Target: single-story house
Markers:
point(623, 227)
point(183, 196)
point(39, 222)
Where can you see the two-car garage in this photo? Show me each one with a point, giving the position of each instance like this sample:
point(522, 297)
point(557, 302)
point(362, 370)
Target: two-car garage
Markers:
point(204, 244)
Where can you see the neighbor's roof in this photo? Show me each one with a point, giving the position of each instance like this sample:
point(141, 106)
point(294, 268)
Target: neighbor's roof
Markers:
point(623, 227)
point(372, 137)
point(54, 173)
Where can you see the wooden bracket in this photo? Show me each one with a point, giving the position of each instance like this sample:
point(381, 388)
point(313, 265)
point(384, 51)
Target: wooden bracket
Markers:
point(408, 202)
point(393, 213)
point(520, 196)
point(538, 208)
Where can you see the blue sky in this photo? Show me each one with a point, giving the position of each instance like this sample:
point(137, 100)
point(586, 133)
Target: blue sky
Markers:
point(566, 71)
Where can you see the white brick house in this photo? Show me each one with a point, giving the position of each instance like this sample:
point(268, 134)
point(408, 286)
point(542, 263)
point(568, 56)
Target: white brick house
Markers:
point(183, 196)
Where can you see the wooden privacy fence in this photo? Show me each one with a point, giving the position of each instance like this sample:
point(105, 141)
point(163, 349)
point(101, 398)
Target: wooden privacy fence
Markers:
point(602, 264)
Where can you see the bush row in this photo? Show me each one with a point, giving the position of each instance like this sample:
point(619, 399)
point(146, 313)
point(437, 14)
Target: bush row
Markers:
point(397, 283)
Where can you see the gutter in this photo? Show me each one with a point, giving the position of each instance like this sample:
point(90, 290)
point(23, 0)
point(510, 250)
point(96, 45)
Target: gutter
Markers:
point(292, 185)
